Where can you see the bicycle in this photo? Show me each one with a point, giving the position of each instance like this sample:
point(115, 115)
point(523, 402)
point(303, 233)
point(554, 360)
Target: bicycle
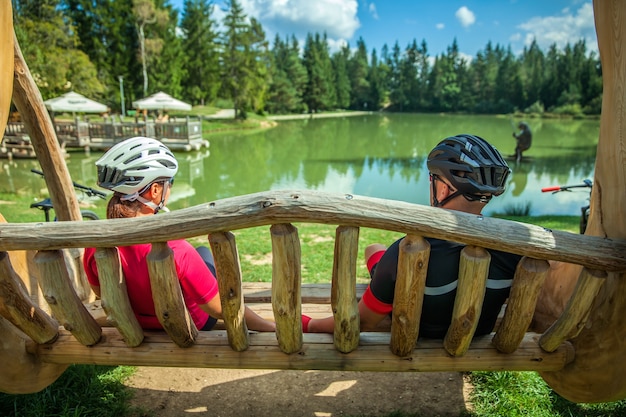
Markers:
point(584, 210)
point(46, 204)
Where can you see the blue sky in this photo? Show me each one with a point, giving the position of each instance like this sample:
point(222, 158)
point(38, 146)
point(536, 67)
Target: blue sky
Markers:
point(472, 22)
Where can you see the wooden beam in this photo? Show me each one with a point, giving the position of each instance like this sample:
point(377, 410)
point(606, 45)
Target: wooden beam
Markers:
point(211, 350)
point(274, 207)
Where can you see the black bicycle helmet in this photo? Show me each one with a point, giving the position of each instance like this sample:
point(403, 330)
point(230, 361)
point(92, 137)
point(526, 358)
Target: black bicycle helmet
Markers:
point(471, 165)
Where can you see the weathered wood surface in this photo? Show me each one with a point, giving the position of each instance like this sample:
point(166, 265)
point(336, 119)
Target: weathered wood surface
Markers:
point(273, 207)
point(577, 311)
point(114, 296)
point(468, 303)
point(169, 304)
point(224, 248)
point(286, 281)
point(260, 292)
point(212, 350)
point(599, 372)
point(6, 62)
point(409, 294)
point(29, 103)
point(17, 307)
point(58, 291)
point(343, 289)
point(529, 276)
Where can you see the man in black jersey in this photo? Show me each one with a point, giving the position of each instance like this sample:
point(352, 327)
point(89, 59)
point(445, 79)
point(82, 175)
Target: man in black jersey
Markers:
point(465, 173)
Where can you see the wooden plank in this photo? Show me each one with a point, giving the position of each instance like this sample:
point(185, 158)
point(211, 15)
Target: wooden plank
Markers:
point(211, 350)
point(283, 206)
point(261, 292)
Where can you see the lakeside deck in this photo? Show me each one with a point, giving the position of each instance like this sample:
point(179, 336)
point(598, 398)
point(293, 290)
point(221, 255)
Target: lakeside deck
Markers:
point(177, 134)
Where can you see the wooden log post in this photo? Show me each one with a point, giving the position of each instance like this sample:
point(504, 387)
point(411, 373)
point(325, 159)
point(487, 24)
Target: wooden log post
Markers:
point(114, 296)
point(409, 294)
point(229, 280)
point(529, 277)
point(65, 305)
point(169, 304)
point(17, 307)
point(22, 371)
point(286, 284)
point(576, 312)
point(6, 63)
point(598, 374)
point(29, 103)
point(468, 303)
point(343, 289)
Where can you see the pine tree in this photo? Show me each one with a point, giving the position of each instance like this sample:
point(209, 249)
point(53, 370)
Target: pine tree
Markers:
point(166, 69)
point(358, 69)
point(342, 80)
point(319, 92)
point(201, 81)
point(245, 60)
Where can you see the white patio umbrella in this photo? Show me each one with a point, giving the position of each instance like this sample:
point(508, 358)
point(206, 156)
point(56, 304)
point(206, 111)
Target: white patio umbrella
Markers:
point(75, 103)
point(161, 101)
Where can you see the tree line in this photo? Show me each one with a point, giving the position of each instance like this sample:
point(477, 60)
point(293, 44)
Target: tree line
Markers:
point(108, 48)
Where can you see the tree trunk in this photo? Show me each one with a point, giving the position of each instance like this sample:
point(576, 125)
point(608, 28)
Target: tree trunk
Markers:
point(598, 374)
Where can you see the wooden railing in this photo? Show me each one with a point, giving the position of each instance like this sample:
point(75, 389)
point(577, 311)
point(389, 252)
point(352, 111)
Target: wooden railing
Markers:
point(81, 339)
point(180, 134)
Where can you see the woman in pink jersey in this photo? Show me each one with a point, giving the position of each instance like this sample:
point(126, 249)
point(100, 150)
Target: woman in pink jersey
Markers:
point(140, 171)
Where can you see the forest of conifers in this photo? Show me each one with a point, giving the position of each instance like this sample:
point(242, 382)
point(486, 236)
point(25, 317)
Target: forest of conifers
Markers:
point(106, 48)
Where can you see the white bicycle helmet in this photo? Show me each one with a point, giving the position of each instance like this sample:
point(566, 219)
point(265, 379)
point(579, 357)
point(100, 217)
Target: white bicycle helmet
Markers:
point(132, 165)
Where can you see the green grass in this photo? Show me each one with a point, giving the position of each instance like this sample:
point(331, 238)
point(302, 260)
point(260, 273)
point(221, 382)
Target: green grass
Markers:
point(82, 390)
point(87, 390)
point(517, 394)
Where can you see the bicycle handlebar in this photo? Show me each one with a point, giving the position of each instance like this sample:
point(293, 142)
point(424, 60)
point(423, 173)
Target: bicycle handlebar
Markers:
point(90, 191)
point(557, 188)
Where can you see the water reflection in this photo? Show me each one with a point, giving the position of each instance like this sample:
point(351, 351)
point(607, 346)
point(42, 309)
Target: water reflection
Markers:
point(377, 155)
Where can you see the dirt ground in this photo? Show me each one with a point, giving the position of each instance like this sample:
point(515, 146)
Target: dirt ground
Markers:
point(190, 392)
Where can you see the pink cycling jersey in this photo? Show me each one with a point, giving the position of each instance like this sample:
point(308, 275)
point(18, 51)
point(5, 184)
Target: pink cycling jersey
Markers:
point(198, 284)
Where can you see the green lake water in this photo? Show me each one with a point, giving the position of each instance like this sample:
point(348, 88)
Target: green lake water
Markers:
point(378, 155)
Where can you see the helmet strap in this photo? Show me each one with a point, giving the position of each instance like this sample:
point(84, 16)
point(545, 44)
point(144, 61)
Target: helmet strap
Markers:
point(156, 207)
point(436, 202)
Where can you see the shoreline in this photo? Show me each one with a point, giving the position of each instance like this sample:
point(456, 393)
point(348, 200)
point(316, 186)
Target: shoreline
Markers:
point(319, 115)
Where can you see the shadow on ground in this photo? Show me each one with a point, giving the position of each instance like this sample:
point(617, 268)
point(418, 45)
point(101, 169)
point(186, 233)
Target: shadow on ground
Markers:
point(178, 392)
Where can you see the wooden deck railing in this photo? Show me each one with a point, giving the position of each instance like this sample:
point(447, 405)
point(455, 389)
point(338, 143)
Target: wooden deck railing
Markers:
point(179, 134)
point(82, 340)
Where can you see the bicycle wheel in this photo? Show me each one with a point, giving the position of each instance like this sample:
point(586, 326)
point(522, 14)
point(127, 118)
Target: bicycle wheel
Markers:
point(89, 215)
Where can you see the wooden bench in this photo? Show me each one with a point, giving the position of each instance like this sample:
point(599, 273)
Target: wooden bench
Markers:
point(82, 339)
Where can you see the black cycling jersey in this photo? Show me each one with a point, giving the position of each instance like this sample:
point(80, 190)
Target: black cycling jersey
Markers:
point(441, 283)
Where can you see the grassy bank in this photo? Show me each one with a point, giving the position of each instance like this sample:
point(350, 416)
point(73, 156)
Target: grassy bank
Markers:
point(86, 390)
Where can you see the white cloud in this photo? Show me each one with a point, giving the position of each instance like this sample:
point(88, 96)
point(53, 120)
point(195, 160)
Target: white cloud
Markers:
point(440, 26)
point(373, 12)
point(566, 28)
point(337, 18)
point(465, 17)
